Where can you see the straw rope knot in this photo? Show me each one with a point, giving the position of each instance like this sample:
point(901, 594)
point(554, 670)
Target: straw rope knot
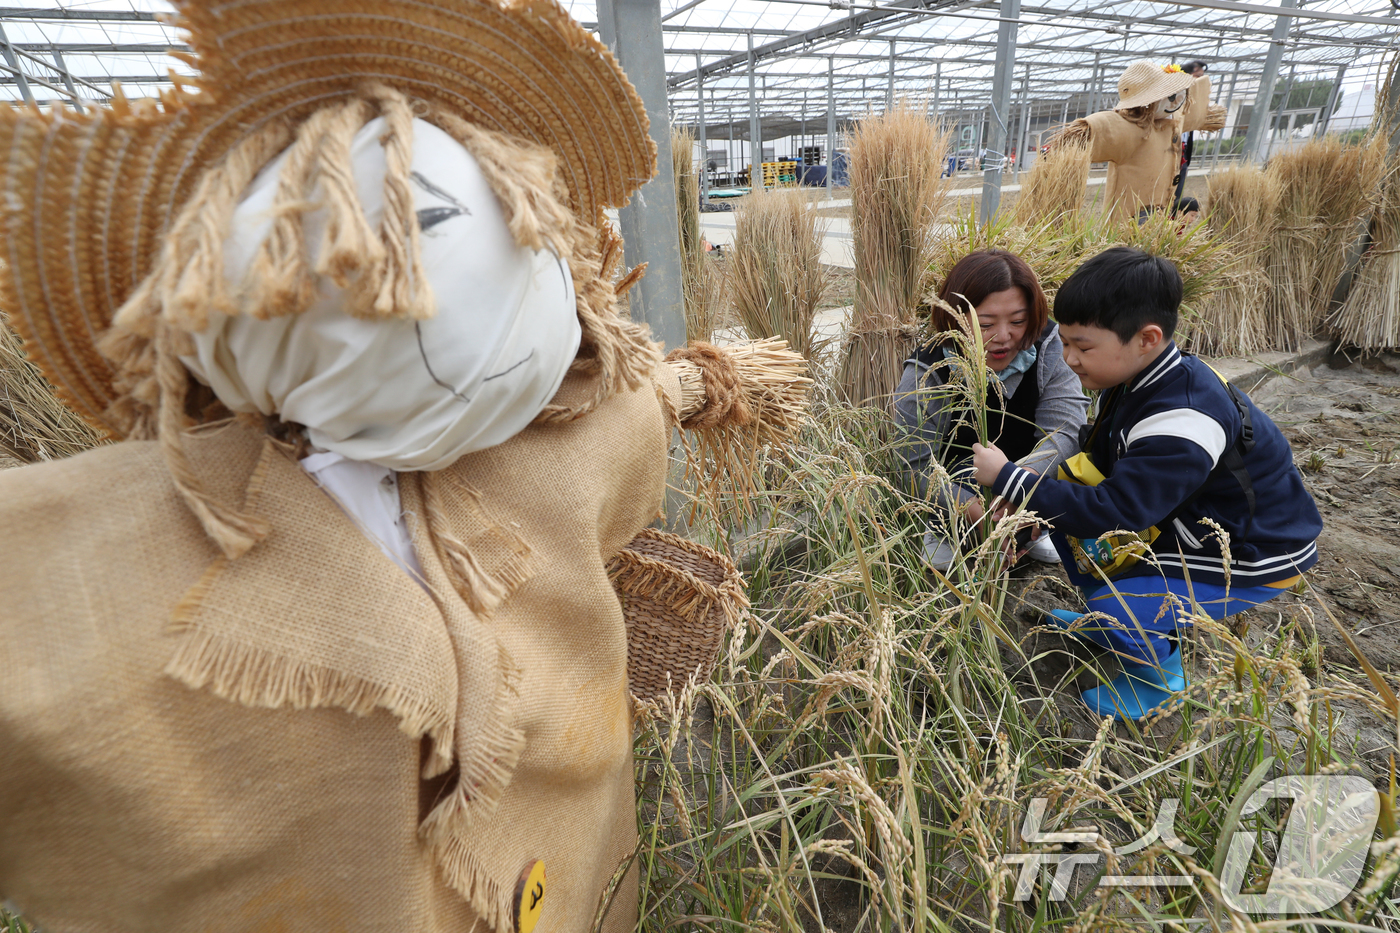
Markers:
point(724, 392)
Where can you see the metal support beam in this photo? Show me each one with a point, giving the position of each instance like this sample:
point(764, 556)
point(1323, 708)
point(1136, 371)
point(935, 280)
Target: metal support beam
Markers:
point(14, 66)
point(1276, 117)
point(1259, 115)
point(755, 131)
point(830, 125)
point(650, 227)
point(67, 80)
point(1001, 104)
point(1025, 122)
point(704, 143)
point(1331, 101)
point(889, 93)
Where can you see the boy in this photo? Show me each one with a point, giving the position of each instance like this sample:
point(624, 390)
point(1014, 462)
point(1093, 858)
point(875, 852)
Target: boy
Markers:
point(1178, 448)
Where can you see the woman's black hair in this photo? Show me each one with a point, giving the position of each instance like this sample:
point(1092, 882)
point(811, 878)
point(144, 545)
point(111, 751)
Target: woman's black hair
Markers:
point(1123, 290)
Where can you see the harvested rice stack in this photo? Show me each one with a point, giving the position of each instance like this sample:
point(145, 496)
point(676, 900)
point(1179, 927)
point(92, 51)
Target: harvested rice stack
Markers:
point(896, 196)
point(34, 424)
point(776, 279)
point(1241, 205)
point(1056, 183)
point(1323, 189)
point(699, 280)
point(1370, 316)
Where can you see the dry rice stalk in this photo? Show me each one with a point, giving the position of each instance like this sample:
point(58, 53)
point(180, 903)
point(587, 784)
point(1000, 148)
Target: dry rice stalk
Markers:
point(34, 424)
point(1370, 316)
point(1323, 191)
point(1241, 205)
point(1055, 186)
point(700, 281)
point(776, 278)
point(897, 195)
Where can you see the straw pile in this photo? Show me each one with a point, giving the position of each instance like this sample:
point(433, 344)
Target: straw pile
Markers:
point(1369, 318)
point(1056, 184)
point(700, 282)
point(34, 424)
point(1324, 188)
point(896, 197)
point(776, 278)
point(1241, 204)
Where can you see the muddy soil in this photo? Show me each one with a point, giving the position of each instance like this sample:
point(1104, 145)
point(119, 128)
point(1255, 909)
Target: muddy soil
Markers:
point(1343, 421)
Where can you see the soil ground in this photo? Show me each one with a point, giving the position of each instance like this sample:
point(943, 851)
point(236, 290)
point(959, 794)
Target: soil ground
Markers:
point(1342, 419)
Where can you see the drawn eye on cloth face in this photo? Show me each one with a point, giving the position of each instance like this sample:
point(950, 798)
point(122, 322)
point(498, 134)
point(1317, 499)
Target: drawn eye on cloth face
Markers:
point(407, 395)
point(429, 217)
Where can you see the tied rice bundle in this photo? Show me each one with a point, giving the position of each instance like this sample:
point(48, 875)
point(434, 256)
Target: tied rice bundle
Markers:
point(1055, 186)
point(1241, 204)
point(739, 402)
point(1370, 316)
point(897, 193)
point(1323, 193)
point(34, 424)
point(700, 284)
point(776, 278)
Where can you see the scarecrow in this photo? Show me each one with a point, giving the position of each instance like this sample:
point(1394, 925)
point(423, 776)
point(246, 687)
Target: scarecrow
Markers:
point(1140, 138)
point(330, 639)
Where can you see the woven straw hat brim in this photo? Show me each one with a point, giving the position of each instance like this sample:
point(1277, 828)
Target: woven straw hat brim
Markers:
point(1145, 83)
point(90, 196)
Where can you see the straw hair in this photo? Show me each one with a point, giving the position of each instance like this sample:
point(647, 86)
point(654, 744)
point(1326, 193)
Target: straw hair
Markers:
point(93, 196)
point(776, 276)
point(897, 194)
point(1144, 83)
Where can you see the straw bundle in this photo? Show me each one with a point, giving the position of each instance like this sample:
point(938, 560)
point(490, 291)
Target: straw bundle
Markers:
point(739, 401)
point(776, 277)
point(700, 282)
point(1055, 186)
point(1241, 204)
point(1323, 191)
point(897, 195)
point(34, 424)
point(1370, 316)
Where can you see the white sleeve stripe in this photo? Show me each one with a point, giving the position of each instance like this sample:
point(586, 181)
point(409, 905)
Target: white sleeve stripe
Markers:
point(1186, 423)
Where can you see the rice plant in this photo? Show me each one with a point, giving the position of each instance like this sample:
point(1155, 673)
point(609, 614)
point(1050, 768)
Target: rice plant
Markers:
point(776, 277)
point(869, 751)
point(897, 195)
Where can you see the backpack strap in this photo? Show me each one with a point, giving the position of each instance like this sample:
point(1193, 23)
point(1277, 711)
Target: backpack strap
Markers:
point(1232, 460)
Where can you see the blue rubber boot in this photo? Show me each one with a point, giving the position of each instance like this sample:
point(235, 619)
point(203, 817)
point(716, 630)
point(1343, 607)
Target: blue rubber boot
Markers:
point(1140, 689)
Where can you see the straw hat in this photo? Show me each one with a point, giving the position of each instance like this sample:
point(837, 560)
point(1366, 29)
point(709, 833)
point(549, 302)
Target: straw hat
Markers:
point(89, 197)
point(1145, 83)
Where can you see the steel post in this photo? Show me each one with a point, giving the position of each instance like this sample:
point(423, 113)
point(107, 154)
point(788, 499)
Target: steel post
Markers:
point(700, 131)
point(649, 225)
point(1259, 116)
point(755, 130)
point(1001, 104)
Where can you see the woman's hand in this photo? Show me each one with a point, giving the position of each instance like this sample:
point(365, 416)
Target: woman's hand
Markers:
point(988, 462)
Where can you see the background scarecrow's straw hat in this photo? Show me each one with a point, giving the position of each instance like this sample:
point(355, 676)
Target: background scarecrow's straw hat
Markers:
point(1145, 83)
point(89, 196)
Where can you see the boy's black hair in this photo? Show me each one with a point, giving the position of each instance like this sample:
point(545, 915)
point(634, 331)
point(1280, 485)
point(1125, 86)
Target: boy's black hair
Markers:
point(1123, 290)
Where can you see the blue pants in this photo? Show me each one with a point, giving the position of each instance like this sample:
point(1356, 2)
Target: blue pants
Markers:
point(1146, 610)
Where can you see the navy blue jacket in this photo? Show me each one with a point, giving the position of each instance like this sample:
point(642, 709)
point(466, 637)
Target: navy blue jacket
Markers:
point(1165, 434)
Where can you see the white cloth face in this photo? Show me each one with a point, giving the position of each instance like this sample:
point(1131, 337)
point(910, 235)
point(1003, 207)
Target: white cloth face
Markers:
point(407, 395)
point(1170, 105)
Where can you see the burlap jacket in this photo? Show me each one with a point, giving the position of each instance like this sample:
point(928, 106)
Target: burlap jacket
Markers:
point(131, 800)
point(1143, 163)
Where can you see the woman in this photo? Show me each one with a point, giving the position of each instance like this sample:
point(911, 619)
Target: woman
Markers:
point(1037, 414)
